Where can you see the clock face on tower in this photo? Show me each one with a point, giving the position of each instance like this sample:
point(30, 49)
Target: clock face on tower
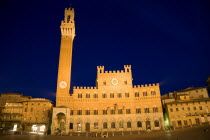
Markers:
point(114, 81)
point(63, 84)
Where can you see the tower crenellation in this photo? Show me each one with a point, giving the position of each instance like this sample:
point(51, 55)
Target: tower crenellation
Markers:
point(100, 69)
point(127, 68)
point(67, 25)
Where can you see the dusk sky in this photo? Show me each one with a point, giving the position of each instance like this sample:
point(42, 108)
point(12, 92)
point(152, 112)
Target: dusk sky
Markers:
point(166, 42)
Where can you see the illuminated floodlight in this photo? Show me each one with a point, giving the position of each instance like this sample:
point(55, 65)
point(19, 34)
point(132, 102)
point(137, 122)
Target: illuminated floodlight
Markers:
point(15, 127)
point(34, 128)
point(42, 128)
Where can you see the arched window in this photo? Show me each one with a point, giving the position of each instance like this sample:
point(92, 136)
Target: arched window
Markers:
point(120, 124)
point(146, 109)
point(104, 111)
point(138, 110)
point(120, 111)
point(104, 125)
point(153, 93)
point(157, 123)
point(136, 94)
point(155, 109)
point(104, 95)
point(145, 93)
point(95, 95)
point(119, 95)
point(126, 95)
point(87, 95)
point(79, 112)
point(128, 111)
point(95, 112)
point(111, 95)
point(112, 125)
point(112, 111)
point(128, 124)
point(71, 111)
point(80, 95)
point(87, 112)
point(95, 125)
point(139, 124)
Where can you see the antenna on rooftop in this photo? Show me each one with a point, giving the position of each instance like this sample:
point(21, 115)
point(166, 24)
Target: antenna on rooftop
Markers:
point(68, 3)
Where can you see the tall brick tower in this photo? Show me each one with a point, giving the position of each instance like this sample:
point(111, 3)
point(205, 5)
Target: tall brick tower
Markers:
point(65, 61)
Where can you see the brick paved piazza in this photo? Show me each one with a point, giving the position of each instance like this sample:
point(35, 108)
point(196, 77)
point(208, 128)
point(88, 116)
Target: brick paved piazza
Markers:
point(196, 133)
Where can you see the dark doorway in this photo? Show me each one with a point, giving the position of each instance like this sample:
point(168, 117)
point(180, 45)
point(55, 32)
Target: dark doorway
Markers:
point(87, 127)
point(61, 118)
point(148, 126)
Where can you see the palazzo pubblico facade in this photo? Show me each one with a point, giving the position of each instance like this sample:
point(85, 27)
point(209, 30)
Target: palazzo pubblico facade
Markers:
point(114, 104)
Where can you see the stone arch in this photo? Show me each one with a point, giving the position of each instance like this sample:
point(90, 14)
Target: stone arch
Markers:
point(138, 107)
point(148, 118)
point(87, 120)
point(127, 107)
point(79, 120)
point(155, 117)
point(104, 120)
point(128, 119)
point(120, 120)
point(61, 113)
point(96, 120)
point(61, 121)
point(112, 120)
point(138, 119)
point(113, 123)
point(71, 120)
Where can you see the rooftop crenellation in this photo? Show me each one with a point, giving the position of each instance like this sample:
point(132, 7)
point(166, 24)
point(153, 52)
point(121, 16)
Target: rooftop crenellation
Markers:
point(127, 69)
point(81, 87)
point(146, 85)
